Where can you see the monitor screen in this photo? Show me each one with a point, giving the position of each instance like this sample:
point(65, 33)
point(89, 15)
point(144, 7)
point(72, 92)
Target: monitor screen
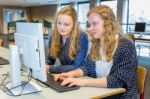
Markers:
point(140, 27)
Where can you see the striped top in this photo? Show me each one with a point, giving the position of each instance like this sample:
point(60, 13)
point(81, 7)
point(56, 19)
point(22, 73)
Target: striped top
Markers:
point(66, 63)
point(123, 73)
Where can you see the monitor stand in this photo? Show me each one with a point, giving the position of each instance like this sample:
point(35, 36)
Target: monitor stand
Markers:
point(17, 87)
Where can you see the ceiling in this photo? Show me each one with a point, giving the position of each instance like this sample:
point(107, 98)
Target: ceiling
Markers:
point(35, 2)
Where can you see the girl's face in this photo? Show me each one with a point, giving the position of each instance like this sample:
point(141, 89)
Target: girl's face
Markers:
point(64, 25)
point(96, 25)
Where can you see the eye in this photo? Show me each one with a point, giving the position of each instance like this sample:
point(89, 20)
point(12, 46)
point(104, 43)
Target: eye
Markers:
point(66, 24)
point(94, 23)
point(59, 23)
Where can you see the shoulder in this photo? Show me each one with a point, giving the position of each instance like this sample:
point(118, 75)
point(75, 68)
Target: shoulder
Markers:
point(83, 35)
point(125, 49)
point(125, 44)
point(83, 39)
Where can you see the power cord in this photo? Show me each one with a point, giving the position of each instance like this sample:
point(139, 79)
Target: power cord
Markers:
point(3, 81)
point(5, 89)
point(40, 84)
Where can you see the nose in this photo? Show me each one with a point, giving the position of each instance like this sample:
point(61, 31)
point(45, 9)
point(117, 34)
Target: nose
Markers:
point(61, 26)
point(90, 28)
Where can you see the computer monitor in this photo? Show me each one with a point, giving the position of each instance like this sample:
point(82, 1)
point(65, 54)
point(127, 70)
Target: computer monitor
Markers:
point(29, 51)
point(140, 27)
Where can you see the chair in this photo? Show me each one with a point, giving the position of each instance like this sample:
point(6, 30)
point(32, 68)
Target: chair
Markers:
point(131, 37)
point(141, 80)
point(1, 42)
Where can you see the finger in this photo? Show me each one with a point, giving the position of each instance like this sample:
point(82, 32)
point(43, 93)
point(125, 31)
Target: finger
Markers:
point(72, 84)
point(56, 77)
point(62, 78)
point(65, 74)
point(66, 81)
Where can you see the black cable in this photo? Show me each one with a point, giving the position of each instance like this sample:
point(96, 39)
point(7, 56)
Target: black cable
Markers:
point(5, 89)
point(3, 81)
point(9, 92)
point(40, 84)
point(26, 84)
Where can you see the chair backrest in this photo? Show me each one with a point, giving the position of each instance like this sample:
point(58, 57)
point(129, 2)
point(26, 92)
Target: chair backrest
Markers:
point(141, 79)
point(131, 37)
point(1, 42)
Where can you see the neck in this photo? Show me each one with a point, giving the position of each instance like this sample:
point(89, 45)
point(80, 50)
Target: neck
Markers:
point(64, 38)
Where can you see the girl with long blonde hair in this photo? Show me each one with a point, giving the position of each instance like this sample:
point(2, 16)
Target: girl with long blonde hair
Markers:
point(67, 42)
point(112, 61)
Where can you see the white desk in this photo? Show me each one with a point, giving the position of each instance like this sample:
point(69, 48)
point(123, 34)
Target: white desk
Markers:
point(47, 93)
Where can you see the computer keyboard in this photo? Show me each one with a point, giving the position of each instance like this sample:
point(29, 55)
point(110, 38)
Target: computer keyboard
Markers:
point(56, 85)
point(3, 61)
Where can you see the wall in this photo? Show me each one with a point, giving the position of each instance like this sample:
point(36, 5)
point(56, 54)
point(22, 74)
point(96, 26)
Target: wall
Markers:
point(48, 12)
point(43, 12)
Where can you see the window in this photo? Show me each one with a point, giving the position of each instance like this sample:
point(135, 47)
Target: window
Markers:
point(64, 5)
point(111, 3)
point(12, 15)
point(83, 8)
point(138, 12)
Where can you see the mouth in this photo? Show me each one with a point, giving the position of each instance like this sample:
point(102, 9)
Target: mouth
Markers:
point(93, 33)
point(62, 31)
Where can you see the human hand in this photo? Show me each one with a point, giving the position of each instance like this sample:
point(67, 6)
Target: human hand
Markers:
point(74, 82)
point(62, 76)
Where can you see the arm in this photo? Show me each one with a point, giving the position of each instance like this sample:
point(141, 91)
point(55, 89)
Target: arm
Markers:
point(122, 73)
point(74, 73)
point(91, 82)
point(84, 70)
point(80, 57)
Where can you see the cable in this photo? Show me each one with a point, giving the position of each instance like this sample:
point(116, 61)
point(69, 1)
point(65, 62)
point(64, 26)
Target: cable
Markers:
point(26, 84)
point(5, 89)
point(2, 84)
point(40, 84)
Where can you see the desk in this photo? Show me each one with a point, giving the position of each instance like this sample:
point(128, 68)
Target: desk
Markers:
point(143, 38)
point(4, 52)
point(47, 93)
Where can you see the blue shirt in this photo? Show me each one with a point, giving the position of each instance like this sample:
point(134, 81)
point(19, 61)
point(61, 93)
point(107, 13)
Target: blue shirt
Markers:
point(66, 63)
point(123, 73)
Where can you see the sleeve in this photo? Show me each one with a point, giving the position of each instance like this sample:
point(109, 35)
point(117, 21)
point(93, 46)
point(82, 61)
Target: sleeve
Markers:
point(50, 60)
point(79, 59)
point(84, 67)
point(88, 68)
point(124, 67)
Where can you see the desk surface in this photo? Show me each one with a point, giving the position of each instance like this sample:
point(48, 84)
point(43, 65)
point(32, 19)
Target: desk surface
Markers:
point(47, 93)
point(143, 38)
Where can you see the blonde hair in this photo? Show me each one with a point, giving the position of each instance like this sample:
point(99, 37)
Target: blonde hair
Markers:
point(108, 41)
point(74, 36)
